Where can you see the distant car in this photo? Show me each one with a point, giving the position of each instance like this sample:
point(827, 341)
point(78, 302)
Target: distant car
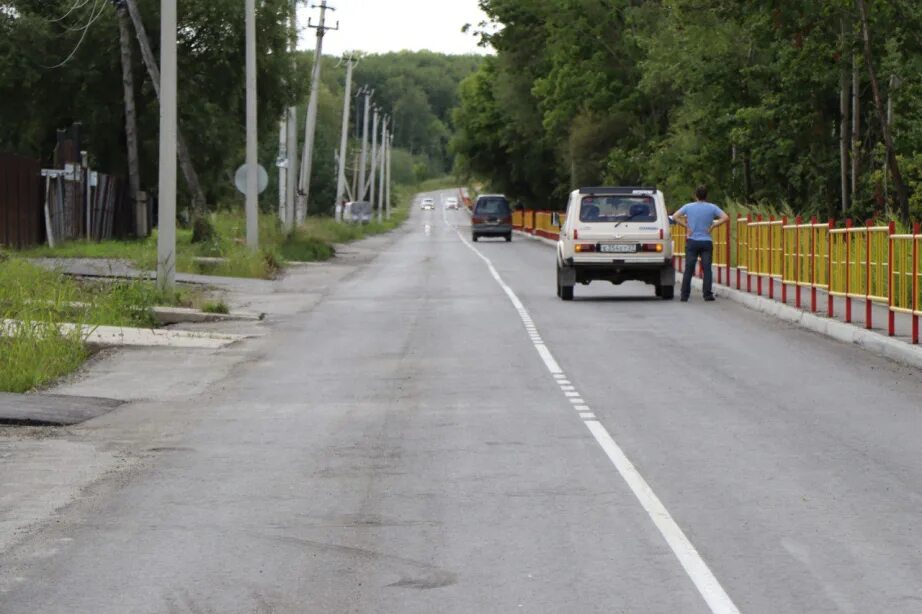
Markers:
point(491, 217)
point(427, 205)
point(615, 234)
point(451, 202)
point(357, 212)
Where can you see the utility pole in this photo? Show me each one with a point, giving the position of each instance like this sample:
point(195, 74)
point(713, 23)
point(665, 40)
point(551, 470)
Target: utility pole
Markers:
point(252, 201)
point(185, 158)
point(382, 166)
point(166, 236)
point(363, 189)
point(288, 138)
point(310, 127)
point(390, 151)
point(131, 121)
point(343, 142)
point(374, 158)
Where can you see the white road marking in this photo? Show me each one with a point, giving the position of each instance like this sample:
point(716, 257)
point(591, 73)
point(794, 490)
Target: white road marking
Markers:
point(562, 387)
point(581, 407)
point(570, 393)
point(587, 416)
point(700, 574)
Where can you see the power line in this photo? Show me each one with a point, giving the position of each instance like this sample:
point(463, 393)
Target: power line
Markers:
point(94, 17)
point(77, 5)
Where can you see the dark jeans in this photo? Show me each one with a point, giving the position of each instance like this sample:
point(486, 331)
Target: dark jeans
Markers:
point(694, 249)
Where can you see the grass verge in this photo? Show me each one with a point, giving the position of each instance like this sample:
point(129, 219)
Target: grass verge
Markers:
point(34, 301)
point(225, 252)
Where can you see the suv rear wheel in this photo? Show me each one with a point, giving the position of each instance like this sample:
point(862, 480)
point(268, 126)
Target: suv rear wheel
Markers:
point(564, 292)
point(667, 293)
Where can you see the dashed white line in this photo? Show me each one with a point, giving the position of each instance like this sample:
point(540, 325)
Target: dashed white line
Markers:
point(700, 574)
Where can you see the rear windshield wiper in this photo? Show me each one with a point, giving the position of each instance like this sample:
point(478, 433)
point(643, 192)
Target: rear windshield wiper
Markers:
point(627, 219)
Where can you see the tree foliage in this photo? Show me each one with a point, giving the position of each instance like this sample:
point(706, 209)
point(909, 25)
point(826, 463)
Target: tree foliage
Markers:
point(742, 96)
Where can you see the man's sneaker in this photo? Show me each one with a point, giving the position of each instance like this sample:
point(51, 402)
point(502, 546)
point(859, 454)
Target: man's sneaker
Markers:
point(684, 299)
point(709, 297)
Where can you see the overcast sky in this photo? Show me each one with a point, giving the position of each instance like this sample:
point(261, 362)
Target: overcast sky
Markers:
point(378, 26)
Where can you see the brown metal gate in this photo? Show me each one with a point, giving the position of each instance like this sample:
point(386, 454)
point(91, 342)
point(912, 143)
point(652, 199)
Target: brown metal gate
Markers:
point(21, 198)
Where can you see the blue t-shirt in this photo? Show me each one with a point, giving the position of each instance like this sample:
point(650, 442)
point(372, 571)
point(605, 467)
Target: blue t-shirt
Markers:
point(700, 217)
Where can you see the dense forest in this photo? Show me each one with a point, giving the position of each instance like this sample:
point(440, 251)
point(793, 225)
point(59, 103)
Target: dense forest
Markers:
point(60, 63)
point(783, 103)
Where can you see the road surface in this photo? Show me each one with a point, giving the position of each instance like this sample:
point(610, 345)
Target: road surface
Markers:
point(440, 433)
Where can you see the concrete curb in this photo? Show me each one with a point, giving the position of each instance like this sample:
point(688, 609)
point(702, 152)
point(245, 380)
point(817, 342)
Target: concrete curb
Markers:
point(544, 240)
point(177, 315)
point(117, 336)
point(882, 345)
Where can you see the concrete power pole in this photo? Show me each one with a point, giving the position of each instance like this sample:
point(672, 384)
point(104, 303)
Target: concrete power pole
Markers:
point(252, 197)
point(363, 188)
point(288, 140)
point(166, 237)
point(310, 127)
point(381, 169)
point(343, 142)
point(390, 151)
point(374, 158)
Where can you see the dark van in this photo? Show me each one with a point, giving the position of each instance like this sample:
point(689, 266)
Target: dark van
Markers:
point(491, 217)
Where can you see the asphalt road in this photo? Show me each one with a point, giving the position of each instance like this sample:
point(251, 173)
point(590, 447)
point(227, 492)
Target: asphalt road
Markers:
point(439, 436)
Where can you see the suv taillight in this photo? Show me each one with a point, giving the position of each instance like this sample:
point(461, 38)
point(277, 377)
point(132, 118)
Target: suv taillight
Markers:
point(477, 220)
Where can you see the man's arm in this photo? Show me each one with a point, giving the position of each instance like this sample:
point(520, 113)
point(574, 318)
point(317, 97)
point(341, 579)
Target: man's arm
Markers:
point(680, 218)
point(723, 218)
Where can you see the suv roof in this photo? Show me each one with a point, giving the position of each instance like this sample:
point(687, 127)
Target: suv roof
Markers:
point(616, 189)
point(491, 196)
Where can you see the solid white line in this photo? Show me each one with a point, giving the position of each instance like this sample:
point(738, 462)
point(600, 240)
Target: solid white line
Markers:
point(698, 571)
point(688, 556)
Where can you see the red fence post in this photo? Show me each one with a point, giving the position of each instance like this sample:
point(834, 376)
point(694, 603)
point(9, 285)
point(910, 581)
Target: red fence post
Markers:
point(759, 256)
point(831, 307)
point(813, 264)
point(868, 311)
point(848, 272)
point(797, 294)
point(738, 275)
point(915, 283)
point(891, 316)
point(729, 251)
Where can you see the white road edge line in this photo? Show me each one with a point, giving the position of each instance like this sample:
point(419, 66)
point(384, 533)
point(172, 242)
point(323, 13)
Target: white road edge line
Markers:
point(700, 574)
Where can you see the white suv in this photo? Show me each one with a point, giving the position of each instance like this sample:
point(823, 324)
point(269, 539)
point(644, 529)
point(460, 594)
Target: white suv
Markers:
point(615, 234)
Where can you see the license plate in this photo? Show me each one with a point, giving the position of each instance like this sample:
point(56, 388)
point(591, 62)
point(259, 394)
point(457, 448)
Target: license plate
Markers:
point(618, 248)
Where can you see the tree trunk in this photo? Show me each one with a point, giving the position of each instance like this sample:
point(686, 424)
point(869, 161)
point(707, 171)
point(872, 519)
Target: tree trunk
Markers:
point(901, 192)
point(131, 123)
point(185, 159)
point(747, 175)
point(856, 125)
point(843, 123)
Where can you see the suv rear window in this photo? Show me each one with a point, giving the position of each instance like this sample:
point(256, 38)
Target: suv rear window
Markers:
point(493, 206)
point(617, 209)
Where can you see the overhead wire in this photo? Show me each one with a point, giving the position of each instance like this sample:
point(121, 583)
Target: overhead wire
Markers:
point(77, 5)
point(94, 17)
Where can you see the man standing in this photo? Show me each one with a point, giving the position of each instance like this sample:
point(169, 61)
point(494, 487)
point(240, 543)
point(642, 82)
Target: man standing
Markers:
point(700, 218)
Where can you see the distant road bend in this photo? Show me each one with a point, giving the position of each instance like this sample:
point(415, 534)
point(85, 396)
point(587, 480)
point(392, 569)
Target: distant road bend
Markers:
point(441, 433)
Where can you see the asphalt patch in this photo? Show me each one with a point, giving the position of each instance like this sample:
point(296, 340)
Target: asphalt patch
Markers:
point(51, 409)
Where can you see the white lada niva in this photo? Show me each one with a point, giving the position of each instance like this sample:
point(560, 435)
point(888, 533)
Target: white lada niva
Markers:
point(615, 234)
